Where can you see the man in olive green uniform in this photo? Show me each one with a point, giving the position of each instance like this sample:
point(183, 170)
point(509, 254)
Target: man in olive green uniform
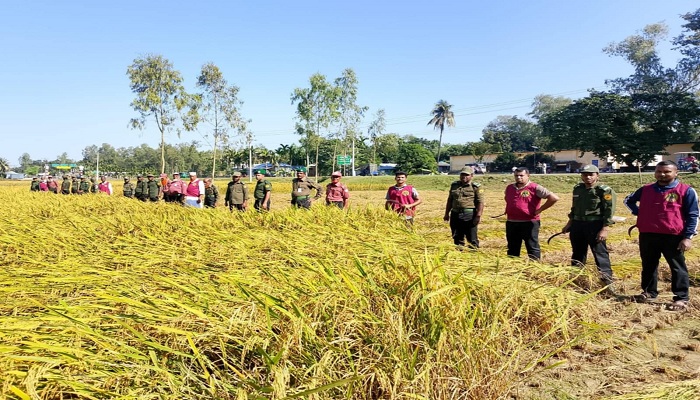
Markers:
point(153, 188)
point(591, 215)
point(74, 185)
point(141, 190)
point(128, 188)
point(83, 186)
point(211, 193)
point(263, 191)
point(301, 190)
point(35, 185)
point(93, 185)
point(65, 185)
point(465, 205)
point(237, 193)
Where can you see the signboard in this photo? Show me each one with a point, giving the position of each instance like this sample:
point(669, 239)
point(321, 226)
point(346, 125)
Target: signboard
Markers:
point(63, 166)
point(344, 160)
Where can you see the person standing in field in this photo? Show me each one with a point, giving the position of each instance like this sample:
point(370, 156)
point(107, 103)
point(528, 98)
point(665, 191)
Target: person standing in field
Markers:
point(236, 193)
point(667, 219)
point(194, 193)
point(523, 211)
point(35, 185)
point(402, 198)
point(93, 186)
point(301, 190)
point(128, 188)
point(337, 194)
point(176, 189)
point(83, 186)
point(52, 185)
point(590, 219)
point(153, 187)
point(105, 186)
point(65, 185)
point(464, 207)
point(43, 185)
point(262, 192)
point(74, 185)
point(141, 190)
point(211, 193)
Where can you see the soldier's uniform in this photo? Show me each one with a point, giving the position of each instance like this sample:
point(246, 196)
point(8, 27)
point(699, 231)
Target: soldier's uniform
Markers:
point(35, 185)
point(236, 194)
point(211, 195)
point(591, 210)
point(128, 188)
point(83, 186)
point(465, 202)
point(141, 190)
point(65, 186)
point(93, 186)
point(301, 191)
point(262, 187)
point(153, 189)
point(74, 185)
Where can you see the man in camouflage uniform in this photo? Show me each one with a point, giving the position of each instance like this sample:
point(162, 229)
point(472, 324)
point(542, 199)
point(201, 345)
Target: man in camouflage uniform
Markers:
point(141, 190)
point(153, 188)
point(236, 193)
point(590, 217)
point(74, 185)
point(301, 190)
point(65, 185)
point(263, 191)
point(128, 188)
point(211, 193)
point(465, 205)
point(83, 186)
point(93, 185)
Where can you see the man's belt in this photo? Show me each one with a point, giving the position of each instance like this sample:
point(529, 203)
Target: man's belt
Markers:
point(589, 218)
point(301, 197)
point(461, 210)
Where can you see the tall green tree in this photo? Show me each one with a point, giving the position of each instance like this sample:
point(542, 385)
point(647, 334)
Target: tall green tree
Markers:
point(219, 108)
point(349, 112)
point(317, 108)
point(442, 116)
point(415, 158)
point(25, 160)
point(160, 96)
point(376, 130)
point(511, 133)
point(4, 165)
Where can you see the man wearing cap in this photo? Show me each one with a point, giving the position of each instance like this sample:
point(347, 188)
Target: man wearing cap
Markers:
point(153, 188)
point(74, 185)
point(176, 189)
point(84, 186)
point(105, 186)
point(523, 211)
point(301, 190)
point(262, 192)
point(141, 190)
point(667, 219)
point(590, 218)
point(236, 193)
point(337, 194)
point(211, 193)
point(464, 207)
point(65, 185)
point(128, 188)
point(194, 193)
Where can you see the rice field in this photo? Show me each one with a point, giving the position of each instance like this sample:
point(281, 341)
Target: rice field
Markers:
point(111, 298)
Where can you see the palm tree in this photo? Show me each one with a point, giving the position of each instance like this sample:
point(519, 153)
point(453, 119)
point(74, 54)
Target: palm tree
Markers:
point(4, 165)
point(442, 115)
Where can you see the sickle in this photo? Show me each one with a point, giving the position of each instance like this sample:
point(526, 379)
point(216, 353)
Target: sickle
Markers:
point(629, 231)
point(553, 236)
point(499, 215)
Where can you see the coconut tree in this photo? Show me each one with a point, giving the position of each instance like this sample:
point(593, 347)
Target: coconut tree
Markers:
point(4, 165)
point(442, 115)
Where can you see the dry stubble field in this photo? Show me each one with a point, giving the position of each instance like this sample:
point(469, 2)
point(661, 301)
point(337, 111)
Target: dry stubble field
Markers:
point(112, 298)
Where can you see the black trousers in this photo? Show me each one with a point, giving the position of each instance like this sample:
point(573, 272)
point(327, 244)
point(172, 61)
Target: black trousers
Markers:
point(258, 204)
point(582, 235)
point(651, 247)
point(238, 207)
point(519, 232)
point(463, 232)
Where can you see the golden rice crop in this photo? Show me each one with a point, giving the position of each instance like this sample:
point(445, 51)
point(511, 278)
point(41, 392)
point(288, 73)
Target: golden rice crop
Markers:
point(107, 297)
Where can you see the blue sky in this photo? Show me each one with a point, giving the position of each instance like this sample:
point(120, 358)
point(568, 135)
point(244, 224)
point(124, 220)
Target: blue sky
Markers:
point(63, 71)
